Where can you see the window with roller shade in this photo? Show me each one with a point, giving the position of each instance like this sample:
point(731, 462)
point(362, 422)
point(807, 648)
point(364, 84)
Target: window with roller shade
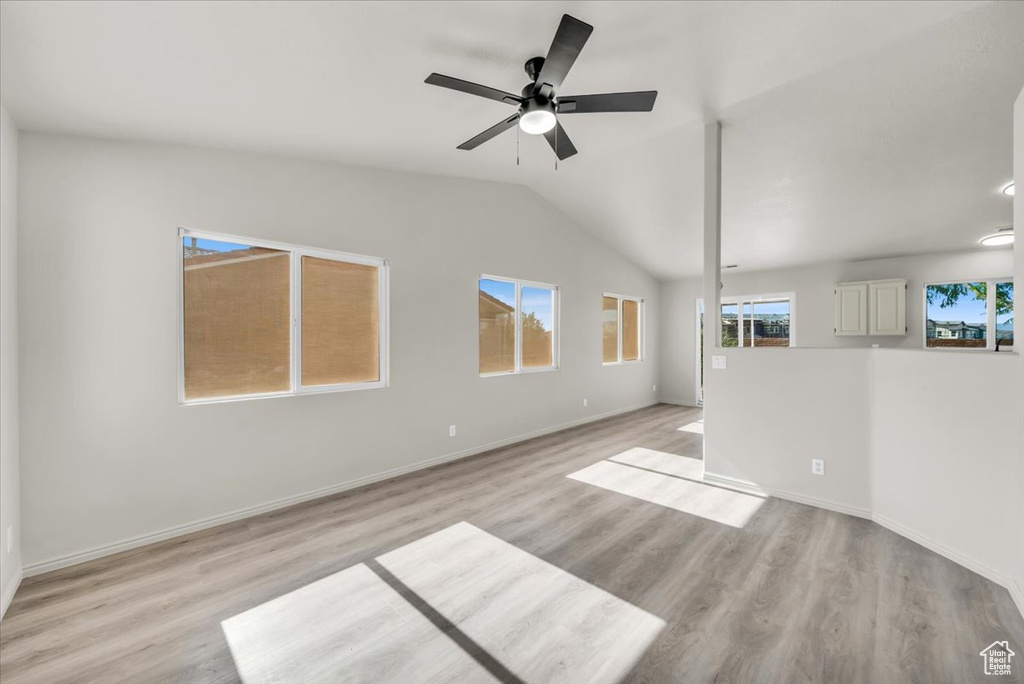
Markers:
point(518, 326)
point(622, 329)
point(265, 319)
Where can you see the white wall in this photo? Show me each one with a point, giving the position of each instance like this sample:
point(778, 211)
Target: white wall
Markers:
point(10, 516)
point(107, 453)
point(927, 443)
point(769, 413)
point(812, 287)
point(946, 460)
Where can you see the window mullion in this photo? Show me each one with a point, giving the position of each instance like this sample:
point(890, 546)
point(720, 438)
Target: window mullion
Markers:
point(619, 331)
point(296, 315)
point(990, 315)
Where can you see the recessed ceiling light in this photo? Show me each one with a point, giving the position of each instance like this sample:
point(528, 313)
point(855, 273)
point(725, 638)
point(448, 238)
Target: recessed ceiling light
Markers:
point(1004, 236)
point(1008, 190)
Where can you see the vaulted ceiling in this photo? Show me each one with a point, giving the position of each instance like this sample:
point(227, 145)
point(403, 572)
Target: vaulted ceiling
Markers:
point(850, 129)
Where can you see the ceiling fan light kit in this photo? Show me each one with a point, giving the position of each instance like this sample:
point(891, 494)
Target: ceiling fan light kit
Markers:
point(540, 105)
point(537, 116)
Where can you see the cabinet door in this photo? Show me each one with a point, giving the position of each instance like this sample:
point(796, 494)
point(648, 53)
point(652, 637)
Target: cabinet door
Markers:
point(888, 307)
point(852, 309)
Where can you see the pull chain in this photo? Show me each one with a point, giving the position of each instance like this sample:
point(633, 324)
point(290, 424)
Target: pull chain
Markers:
point(518, 116)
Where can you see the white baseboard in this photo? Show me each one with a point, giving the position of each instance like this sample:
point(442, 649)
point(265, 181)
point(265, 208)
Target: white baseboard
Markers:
point(675, 401)
point(8, 592)
point(821, 503)
point(59, 562)
point(734, 483)
point(715, 478)
point(958, 558)
point(1016, 594)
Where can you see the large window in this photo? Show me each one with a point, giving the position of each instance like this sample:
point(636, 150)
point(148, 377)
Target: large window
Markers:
point(964, 315)
point(264, 319)
point(518, 326)
point(766, 321)
point(622, 329)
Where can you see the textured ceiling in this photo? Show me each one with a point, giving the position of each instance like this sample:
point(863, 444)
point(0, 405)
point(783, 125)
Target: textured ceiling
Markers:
point(851, 129)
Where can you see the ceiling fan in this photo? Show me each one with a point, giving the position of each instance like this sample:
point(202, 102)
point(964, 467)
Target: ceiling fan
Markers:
point(540, 103)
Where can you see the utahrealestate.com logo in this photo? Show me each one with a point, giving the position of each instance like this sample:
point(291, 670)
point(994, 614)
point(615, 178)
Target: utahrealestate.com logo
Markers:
point(997, 658)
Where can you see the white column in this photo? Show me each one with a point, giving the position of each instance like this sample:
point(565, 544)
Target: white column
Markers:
point(712, 263)
point(712, 242)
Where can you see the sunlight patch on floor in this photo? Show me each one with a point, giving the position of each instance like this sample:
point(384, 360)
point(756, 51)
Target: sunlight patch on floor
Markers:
point(542, 623)
point(696, 427)
point(459, 605)
point(668, 464)
point(348, 627)
point(675, 484)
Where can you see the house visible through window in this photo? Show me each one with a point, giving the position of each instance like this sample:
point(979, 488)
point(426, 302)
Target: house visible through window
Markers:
point(764, 323)
point(622, 329)
point(964, 315)
point(518, 323)
point(261, 319)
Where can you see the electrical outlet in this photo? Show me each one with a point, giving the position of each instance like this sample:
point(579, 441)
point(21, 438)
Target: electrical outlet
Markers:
point(817, 466)
point(654, 388)
point(451, 430)
point(10, 539)
point(584, 403)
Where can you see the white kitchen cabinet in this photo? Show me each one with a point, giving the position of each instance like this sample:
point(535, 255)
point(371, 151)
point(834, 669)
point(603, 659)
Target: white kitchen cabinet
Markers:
point(871, 307)
point(851, 309)
point(887, 307)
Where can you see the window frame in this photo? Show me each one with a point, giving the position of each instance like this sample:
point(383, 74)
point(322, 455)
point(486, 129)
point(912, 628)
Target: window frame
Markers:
point(990, 314)
point(295, 254)
point(640, 325)
point(739, 301)
point(556, 324)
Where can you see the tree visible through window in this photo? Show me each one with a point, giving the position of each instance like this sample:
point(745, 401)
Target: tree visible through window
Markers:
point(962, 315)
point(517, 326)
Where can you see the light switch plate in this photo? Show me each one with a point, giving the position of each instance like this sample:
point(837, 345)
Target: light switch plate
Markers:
point(718, 362)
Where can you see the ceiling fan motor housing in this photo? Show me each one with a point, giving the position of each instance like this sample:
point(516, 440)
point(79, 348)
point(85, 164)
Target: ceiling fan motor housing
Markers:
point(533, 67)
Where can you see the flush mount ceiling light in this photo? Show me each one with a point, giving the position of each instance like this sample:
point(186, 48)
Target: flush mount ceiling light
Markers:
point(1003, 236)
point(1008, 190)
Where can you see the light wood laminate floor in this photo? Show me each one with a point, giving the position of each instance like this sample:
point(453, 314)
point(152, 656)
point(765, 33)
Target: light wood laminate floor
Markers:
point(586, 555)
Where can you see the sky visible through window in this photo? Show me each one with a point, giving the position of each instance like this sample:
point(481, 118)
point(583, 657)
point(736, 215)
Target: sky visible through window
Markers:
point(213, 245)
point(1004, 321)
point(535, 300)
point(967, 308)
point(538, 302)
point(763, 308)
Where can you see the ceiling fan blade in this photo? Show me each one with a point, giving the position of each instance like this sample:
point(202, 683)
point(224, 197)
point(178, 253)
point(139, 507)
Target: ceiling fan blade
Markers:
point(473, 89)
point(490, 132)
point(641, 101)
point(571, 36)
point(560, 142)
